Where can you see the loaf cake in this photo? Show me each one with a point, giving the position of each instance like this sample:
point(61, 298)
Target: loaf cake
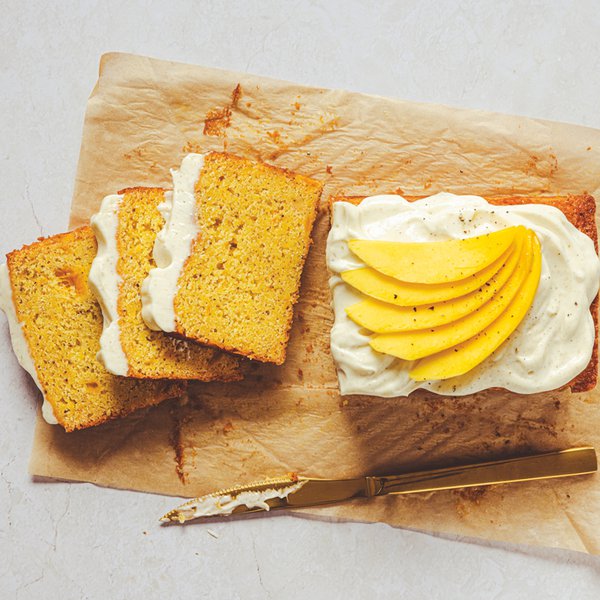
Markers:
point(556, 345)
point(230, 256)
point(56, 324)
point(126, 227)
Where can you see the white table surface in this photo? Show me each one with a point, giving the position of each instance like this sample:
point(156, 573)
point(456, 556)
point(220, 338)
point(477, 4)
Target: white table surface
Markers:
point(60, 540)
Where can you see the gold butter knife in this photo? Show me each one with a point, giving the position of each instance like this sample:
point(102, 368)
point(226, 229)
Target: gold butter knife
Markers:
point(292, 491)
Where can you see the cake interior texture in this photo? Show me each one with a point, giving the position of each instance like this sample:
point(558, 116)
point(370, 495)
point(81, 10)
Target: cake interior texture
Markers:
point(62, 324)
point(239, 285)
point(154, 354)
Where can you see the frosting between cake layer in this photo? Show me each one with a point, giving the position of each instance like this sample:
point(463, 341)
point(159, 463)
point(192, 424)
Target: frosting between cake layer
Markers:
point(551, 346)
point(173, 246)
point(104, 281)
point(19, 343)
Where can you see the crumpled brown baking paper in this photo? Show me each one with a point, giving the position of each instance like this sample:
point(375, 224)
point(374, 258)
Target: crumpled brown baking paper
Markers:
point(143, 116)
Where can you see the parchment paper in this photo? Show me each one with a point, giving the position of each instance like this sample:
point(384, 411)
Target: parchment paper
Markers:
point(143, 116)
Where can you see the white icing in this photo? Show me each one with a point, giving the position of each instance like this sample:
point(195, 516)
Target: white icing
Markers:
point(549, 348)
point(17, 338)
point(210, 506)
point(104, 282)
point(48, 411)
point(172, 246)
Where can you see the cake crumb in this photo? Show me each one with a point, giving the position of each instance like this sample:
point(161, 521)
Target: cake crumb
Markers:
point(217, 120)
point(275, 136)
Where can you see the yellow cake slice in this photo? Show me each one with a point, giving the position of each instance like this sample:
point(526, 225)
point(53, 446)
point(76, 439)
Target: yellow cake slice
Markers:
point(126, 227)
point(231, 254)
point(56, 325)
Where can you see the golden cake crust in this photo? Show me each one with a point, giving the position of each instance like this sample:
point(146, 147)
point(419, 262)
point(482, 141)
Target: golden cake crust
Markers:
point(580, 210)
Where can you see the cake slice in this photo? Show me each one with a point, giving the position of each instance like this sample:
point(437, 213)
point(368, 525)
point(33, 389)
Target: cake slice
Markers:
point(230, 256)
point(55, 325)
point(126, 227)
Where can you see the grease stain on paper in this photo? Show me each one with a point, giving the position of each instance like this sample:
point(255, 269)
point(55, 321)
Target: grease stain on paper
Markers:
point(217, 120)
point(327, 124)
point(467, 498)
point(177, 443)
point(542, 166)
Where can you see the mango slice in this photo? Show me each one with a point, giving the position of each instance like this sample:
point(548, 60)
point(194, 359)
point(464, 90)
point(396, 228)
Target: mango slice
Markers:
point(381, 317)
point(434, 262)
point(463, 357)
point(387, 289)
point(412, 345)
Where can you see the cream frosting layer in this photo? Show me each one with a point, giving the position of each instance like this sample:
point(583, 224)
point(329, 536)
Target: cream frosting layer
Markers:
point(173, 246)
point(550, 347)
point(209, 506)
point(104, 281)
point(19, 343)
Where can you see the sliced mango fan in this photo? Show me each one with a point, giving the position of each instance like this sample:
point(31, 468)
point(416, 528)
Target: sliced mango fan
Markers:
point(447, 305)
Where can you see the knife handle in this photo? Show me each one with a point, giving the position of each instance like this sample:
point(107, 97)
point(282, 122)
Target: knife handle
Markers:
point(562, 463)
